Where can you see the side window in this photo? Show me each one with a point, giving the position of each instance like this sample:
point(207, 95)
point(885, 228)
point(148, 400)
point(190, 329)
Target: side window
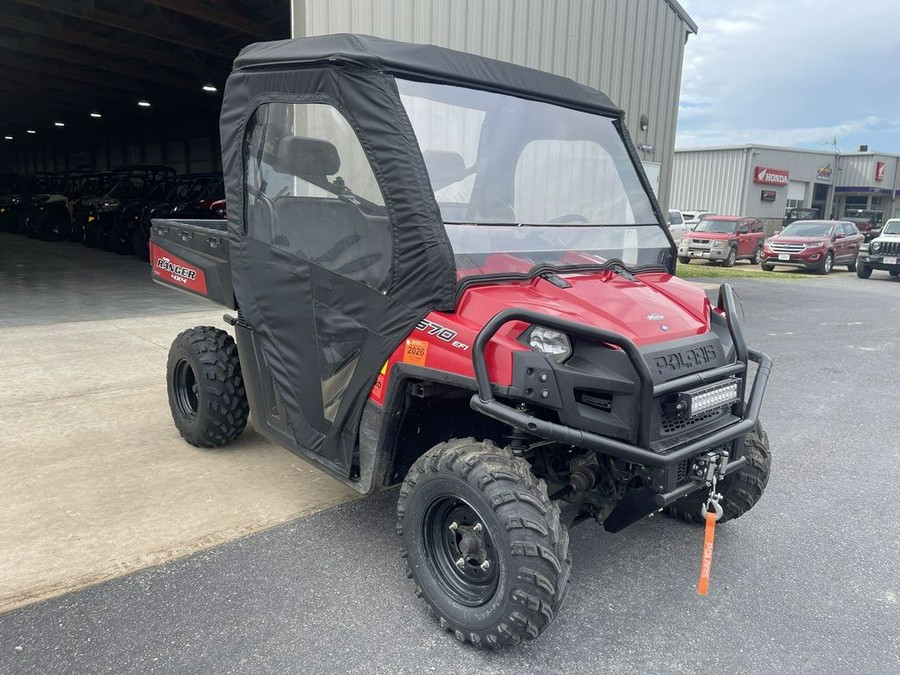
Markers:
point(311, 191)
point(756, 226)
point(850, 229)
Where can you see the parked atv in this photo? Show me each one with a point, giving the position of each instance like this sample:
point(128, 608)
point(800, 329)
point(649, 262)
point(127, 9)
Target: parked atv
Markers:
point(451, 273)
point(107, 225)
point(189, 196)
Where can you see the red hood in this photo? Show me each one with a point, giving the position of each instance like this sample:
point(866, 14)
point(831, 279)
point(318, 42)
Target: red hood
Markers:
point(709, 235)
point(605, 300)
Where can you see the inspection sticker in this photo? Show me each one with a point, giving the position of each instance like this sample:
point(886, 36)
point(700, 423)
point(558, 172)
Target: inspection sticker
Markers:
point(415, 352)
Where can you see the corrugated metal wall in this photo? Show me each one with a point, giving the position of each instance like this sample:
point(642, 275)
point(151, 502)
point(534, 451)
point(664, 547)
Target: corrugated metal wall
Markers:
point(630, 49)
point(713, 180)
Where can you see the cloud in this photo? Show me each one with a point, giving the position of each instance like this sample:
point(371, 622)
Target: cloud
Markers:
point(791, 72)
point(809, 137)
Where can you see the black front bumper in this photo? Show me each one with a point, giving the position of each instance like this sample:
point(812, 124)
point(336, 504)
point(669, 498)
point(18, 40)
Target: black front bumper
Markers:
point(668, 483)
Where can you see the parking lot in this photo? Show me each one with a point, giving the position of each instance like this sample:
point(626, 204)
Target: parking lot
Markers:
point(805, 583)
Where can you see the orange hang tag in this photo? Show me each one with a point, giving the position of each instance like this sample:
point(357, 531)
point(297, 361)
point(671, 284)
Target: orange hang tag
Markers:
point(706, 560)
point(415, 352)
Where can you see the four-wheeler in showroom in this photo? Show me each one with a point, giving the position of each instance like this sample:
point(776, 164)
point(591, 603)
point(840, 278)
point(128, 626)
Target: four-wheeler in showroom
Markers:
point(882, 253)
point(450, 272)
point(816, 245)
point(724, 239)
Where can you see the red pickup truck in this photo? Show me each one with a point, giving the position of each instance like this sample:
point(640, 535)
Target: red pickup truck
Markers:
point(725, 239)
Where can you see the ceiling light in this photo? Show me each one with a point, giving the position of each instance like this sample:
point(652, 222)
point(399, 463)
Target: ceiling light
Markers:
point(144, 104)
point(30, 131)
point(211, 88)
point(59, 124)
point(9, 138)
point(96, 114)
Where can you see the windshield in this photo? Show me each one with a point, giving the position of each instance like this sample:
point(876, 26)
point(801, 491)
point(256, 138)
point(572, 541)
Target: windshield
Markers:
point(719, 226)
point(523, 183)
point(891, 227)
point(807, 229)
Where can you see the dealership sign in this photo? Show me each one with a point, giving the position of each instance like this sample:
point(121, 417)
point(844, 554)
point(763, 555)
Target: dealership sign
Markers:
point(879, 171)
point(768, 176)
point(767, 195)
point(823, 173)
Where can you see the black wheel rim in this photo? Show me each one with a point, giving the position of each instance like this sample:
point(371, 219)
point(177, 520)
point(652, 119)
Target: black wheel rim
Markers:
point(187, 391)
point(460, 551)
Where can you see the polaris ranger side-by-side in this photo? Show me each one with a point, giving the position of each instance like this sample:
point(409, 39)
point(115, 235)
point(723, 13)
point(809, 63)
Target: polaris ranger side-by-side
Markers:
point(450, 273)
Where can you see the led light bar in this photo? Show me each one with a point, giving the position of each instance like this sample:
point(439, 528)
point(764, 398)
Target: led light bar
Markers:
point(698, 401)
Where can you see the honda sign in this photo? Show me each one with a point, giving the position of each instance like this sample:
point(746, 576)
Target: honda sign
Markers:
point(766, 176)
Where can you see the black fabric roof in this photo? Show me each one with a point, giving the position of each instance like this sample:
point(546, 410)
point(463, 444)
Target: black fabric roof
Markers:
point(426, 62)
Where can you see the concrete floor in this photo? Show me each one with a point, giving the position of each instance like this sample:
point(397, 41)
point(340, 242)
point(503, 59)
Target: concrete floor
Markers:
point(96, 481)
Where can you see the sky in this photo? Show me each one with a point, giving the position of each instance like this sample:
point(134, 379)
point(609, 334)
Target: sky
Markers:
point(797, 73)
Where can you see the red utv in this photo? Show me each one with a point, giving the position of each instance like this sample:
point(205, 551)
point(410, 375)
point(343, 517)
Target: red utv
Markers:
point(816, 245)
point(450, 273)
point(724, 239)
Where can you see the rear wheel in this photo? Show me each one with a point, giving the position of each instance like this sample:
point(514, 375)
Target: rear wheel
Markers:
point(206, 387)
point(483, 543)
point(732, 257)
point(827, 264)
point(894, 273)
point(863, 271)
point(754, 259)
point(741, 490)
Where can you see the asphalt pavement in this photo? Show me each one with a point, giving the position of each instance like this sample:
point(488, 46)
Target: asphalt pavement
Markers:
point(807, 582)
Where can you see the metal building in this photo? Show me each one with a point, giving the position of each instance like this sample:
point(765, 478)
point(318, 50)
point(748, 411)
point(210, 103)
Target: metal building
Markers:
point(632, 50)
point(763, 181)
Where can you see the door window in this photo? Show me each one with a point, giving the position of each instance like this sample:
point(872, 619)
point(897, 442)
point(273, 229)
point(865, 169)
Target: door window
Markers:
point(312, 192)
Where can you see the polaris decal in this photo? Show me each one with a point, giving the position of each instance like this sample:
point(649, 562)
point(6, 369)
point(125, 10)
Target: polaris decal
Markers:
point(441, 333)
point(685, 360)
point(173, 270)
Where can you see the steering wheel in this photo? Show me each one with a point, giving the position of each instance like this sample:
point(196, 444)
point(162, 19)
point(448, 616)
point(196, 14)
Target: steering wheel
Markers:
point(570, 218)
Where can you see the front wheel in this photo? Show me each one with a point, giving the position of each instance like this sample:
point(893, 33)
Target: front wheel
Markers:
point(684, 260)
point(732, 257)
point(206, 387)
point(863, 271)
point(483, 543)
point(740, 490)
point(894, 273)
point(766, 267)
point(827, 264)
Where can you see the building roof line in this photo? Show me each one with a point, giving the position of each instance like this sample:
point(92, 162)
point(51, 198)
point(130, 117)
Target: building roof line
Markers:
point(784, 148)
point(681, 12)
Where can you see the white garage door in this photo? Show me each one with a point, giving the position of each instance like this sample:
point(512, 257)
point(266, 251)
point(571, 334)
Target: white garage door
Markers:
point(797, 191)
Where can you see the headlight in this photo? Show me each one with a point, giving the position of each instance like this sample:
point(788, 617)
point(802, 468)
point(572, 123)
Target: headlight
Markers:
point(109, 205)
point(876, 246)
point(718, 243)
point(551, 343)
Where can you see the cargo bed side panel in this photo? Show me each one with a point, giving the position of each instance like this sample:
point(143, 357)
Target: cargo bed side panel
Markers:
point(192, 256)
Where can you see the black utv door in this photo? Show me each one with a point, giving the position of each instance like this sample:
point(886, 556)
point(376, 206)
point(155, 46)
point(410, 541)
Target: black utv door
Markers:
point(317, 258)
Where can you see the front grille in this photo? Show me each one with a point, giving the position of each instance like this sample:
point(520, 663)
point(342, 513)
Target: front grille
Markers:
point(787, 248)
point(889, 248)
point(705, 242)
point(673, 423)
